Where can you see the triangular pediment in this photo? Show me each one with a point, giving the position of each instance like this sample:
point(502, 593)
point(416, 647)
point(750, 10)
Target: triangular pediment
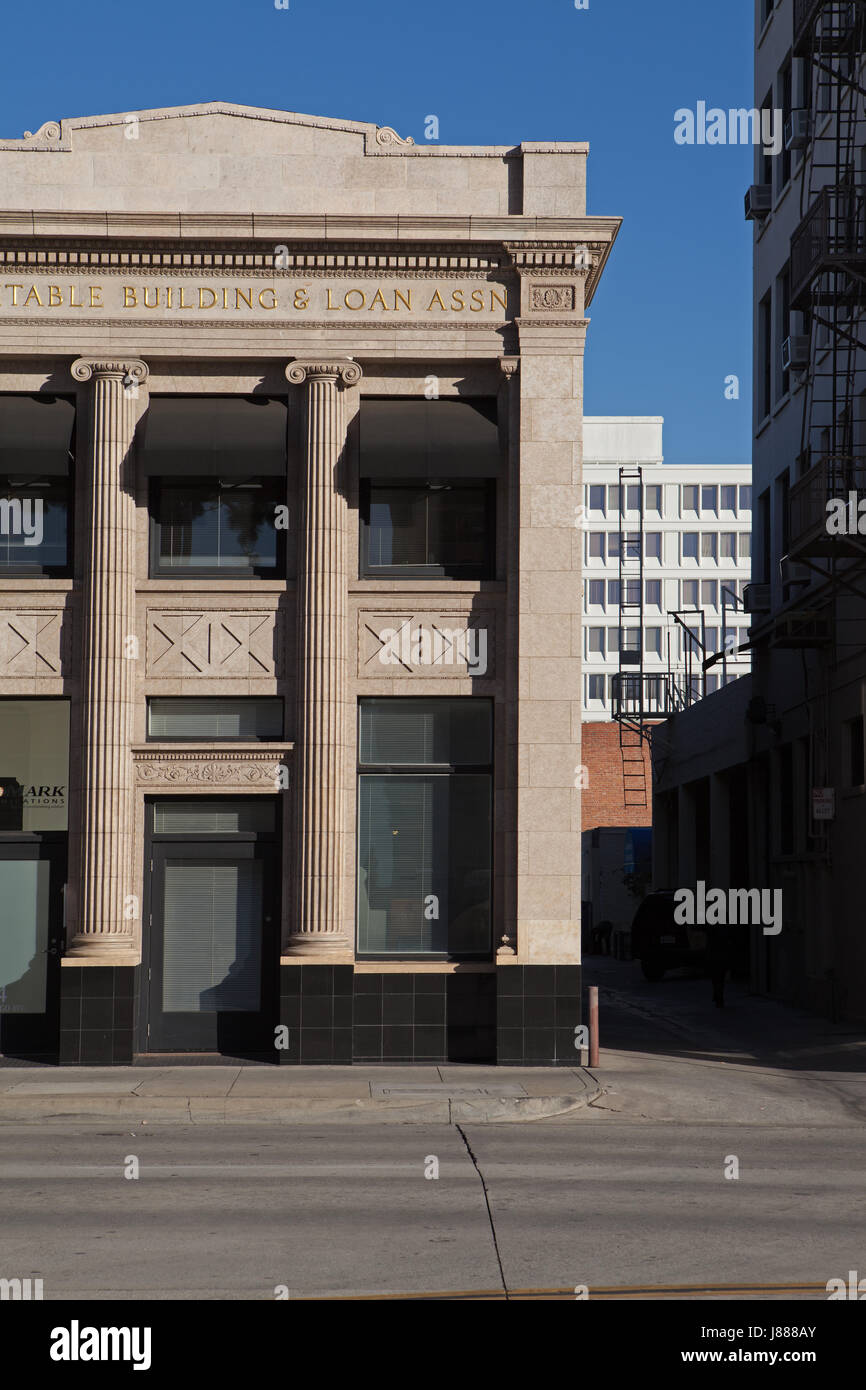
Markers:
point(230, 126)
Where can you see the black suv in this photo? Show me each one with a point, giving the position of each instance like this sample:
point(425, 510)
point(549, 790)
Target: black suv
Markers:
point(659, 942)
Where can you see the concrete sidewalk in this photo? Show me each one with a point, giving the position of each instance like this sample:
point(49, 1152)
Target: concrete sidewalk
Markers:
point(244, 1094)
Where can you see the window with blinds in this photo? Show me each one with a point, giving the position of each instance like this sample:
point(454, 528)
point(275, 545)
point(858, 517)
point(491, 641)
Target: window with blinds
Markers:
point(220, 816)
point(212, 719)
point(212, 936)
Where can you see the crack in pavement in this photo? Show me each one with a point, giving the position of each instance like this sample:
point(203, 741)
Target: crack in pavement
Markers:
point(475, 1165)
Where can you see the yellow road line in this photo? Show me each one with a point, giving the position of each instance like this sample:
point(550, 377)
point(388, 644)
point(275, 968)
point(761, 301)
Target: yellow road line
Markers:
point(636, 1291)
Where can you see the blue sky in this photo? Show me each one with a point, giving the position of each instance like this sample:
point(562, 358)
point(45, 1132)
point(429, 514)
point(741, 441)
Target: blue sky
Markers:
point(673, 316)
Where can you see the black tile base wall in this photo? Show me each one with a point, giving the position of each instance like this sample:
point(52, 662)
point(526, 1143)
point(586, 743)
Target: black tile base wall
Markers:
point(98, 1006)
point(537, 1010)
point(334, 1015)
point(519, 1015)
point(316, 1011)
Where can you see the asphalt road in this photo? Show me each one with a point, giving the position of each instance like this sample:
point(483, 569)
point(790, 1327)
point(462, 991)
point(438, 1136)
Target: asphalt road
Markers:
point(626, 1197)
point(231, 1213)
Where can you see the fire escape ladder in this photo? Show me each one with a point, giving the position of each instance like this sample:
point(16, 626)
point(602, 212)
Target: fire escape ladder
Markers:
point(629, 704)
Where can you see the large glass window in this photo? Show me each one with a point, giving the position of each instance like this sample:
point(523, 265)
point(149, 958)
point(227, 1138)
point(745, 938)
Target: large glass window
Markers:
point(36, 454)
point(443, 528)
point(709, 545)
point(217, 471)
point(428, 478)
point(729, 497)
point(34, 765)
point(424, 827)
point(207, 527)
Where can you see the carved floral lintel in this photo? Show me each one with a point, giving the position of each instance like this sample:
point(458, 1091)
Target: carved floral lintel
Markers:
point(211, 769)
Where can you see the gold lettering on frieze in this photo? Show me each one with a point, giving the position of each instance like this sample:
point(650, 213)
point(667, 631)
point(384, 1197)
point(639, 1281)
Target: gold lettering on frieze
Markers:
point(135, 297)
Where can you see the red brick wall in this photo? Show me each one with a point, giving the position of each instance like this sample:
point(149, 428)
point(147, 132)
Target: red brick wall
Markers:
point(603, 798)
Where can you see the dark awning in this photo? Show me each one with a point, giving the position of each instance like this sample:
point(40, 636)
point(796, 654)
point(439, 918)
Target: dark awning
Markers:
point(35, 434)
point(217, 435)
point(429, 439)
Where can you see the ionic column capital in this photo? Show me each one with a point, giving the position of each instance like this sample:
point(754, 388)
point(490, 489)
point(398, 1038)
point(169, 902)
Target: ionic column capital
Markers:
point(128, 371)
point(339, 369)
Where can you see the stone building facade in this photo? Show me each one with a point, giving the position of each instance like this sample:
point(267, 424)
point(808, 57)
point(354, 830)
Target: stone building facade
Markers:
point(290, 590)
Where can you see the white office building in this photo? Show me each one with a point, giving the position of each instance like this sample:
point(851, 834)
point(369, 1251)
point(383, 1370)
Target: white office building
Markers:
point(696, 523)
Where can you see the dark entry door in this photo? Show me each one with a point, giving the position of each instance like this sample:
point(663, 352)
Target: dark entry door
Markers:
point(214, 912)
point(32, 875)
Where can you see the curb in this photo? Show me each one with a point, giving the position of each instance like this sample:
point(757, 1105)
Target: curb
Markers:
point(133, 1110)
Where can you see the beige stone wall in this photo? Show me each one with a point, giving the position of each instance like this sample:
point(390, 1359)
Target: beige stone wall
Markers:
point(356, 208)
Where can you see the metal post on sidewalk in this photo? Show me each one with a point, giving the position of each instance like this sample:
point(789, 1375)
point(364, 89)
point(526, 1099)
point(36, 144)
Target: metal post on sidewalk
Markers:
point(593, 1025)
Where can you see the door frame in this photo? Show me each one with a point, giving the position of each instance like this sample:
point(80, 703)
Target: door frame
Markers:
point(235, 1034)
point(38, 1035)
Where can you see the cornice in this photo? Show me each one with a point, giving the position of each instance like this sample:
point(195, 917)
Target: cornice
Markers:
point(513, 228)
point(215, 243)
point(382, 267)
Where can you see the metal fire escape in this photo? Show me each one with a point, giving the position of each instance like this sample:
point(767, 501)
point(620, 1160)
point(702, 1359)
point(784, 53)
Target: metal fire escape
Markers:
point(829, 256)
point(629, 703)
point(827, 345)
point(828, 284)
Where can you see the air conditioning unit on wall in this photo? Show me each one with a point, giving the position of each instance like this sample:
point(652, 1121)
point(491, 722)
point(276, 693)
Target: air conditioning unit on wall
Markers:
point(758, 201)
point(794, 576)
point(797, 130)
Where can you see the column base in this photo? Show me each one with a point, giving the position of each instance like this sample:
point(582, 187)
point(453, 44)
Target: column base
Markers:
point(319, 946)
point(95, 946)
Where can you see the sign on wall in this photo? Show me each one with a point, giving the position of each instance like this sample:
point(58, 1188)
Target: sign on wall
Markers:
point(41, 298)
point(34, 765)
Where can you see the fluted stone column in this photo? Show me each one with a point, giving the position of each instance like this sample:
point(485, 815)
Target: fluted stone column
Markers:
point(106, 911)
point(322, 674)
